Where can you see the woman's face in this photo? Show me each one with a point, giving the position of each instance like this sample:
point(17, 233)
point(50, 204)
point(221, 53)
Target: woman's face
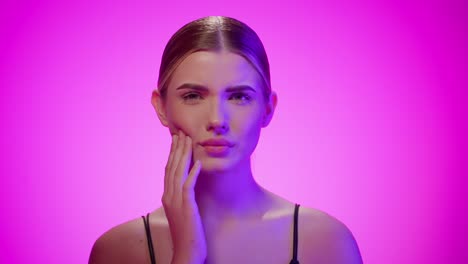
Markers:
point(216, 95)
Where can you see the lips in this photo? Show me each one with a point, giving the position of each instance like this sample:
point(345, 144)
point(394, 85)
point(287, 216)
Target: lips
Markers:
point(217, 147)
point(217, 142)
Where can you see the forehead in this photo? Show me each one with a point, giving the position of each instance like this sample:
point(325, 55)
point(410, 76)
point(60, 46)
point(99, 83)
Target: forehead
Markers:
point(215, 70)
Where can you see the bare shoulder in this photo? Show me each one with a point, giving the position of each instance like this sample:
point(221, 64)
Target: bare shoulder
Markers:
point(325, 239)
point(124, 243)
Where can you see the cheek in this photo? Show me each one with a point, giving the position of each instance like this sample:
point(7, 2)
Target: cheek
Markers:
point(248, 135)
point(254, 134)
point(179, 119)
point(249, 127)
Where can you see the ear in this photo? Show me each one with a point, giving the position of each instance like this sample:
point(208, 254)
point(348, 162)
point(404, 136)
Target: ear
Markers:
point(270, 109)
point(158, 104)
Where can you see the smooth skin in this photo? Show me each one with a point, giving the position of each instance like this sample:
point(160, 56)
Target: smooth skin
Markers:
point(213, 210)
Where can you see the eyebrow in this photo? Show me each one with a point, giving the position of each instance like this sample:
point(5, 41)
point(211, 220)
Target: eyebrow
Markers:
point(235, 88)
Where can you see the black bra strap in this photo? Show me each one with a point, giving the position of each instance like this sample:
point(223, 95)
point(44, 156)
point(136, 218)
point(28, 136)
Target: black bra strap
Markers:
point(296, 216)
point(148, 238)
point(295, 238)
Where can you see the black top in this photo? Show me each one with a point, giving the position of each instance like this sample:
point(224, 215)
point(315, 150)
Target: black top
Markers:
point(150, 241)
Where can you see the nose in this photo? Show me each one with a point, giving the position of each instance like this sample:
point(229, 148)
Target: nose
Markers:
point(217, 117)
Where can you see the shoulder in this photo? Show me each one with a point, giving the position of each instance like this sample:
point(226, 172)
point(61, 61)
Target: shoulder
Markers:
point(124, 243)
point(325, 239)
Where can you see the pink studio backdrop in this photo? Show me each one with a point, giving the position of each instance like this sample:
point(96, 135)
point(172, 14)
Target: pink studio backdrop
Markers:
point(369, 127)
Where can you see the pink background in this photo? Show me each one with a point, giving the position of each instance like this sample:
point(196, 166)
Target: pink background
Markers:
point(370, 126)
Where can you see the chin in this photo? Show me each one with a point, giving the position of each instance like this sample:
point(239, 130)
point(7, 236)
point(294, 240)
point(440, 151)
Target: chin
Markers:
point(216, 165)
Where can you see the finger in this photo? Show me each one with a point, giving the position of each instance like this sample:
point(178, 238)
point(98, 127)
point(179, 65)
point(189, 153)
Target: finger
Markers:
point(184, 163)
point(188, 159)
point(178, 175)
point(193, 176)
point(169, 165)
point(177, 157)
point(175, 139)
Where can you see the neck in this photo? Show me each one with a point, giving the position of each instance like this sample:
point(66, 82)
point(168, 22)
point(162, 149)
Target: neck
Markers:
point(229, 194)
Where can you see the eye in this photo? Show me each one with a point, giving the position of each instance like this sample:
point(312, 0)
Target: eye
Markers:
point(191, 96)
point(242, 97)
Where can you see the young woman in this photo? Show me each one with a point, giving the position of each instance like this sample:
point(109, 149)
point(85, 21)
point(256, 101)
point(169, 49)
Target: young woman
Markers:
point(214, 96)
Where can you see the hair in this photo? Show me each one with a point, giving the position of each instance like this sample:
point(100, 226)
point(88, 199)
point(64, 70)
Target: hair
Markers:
point(214, 33)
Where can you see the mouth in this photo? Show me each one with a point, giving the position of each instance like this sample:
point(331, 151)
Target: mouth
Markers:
point(217, 147)
point(217, 151)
